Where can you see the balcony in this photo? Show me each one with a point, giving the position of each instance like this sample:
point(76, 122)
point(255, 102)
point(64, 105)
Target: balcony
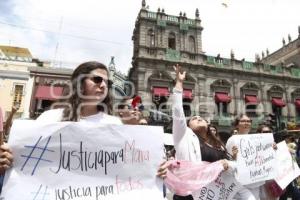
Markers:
point(247, 65)
point(298, 120)
point(295, 72)
point(256, 121)
point(161, 23)
point(173, 55)
point(223, 119)
point(184, 27)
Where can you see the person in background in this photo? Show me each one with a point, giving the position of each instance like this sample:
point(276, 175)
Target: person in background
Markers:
point(130, 110)
point(242, 124)
point(291, 190)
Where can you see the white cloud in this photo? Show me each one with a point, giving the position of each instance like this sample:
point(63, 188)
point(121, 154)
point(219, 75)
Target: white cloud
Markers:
point(98, 29)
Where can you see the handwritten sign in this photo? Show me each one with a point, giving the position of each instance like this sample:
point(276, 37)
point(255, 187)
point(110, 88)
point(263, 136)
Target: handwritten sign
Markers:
point(255, 159)
point(223, 188)
point(287, 168)
point(67, 160)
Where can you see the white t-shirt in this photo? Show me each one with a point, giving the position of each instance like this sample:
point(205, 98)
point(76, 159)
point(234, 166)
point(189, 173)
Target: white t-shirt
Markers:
point(56, 115)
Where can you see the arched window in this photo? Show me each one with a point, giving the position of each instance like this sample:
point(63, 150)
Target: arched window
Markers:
point(172, 41)
point(151, 37)
point(192, 44)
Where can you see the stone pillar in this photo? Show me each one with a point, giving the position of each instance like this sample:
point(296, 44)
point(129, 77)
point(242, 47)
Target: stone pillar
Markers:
point(236, 95)
point(263, 97)
point(287, 97)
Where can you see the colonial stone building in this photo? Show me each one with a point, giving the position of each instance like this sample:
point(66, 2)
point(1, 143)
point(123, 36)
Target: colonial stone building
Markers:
point(217, 88)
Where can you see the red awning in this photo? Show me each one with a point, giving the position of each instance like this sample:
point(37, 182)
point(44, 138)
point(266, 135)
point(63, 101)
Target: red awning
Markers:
point(222, 97)
point(161, 91)
point(251, 99)
point(187, 94)
point(297, 103)
point(278, 102)
point(48, 92)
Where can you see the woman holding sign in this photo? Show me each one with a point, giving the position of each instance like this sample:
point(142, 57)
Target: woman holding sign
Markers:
point(89, 101)
point(243, 124)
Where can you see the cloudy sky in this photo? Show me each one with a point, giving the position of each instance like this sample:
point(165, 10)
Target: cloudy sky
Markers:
point(73, 31)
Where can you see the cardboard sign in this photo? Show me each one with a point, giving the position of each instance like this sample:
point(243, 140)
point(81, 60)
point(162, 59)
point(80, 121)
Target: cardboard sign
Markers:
point(74, 160)
point(255, 159)
point(287, 168)
point(223, 188)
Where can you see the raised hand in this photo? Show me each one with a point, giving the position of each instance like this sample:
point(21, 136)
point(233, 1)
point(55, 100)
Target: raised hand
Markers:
point(180, 76)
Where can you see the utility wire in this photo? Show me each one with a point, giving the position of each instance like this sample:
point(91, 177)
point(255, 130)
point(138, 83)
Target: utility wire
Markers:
point(63, 34)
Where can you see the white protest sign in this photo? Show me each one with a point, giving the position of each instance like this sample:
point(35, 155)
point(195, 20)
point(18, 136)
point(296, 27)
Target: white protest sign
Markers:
point(256, 158)
point(74, 160)
point(223, 188)
point(287, 168)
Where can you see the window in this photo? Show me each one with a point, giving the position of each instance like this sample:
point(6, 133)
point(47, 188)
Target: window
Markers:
point(251, 110)
point(222, 108)
point(172, 41)
point(151, 38)
point(18, 93)
point(192, 44)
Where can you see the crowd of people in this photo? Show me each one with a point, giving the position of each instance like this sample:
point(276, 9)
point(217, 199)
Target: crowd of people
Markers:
point(194, 138)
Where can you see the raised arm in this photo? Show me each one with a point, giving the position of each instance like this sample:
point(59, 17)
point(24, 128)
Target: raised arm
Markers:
point(8, 122)
point(179, 121)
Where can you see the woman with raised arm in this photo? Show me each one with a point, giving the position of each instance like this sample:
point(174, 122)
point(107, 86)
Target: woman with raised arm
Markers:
point(193, 140)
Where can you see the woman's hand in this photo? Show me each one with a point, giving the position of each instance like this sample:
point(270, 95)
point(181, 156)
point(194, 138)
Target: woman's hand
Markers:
point(180, 76)
point(234, 152)
point(6, 158)
point(225, 164)
point(162, 170)
point(274, 145)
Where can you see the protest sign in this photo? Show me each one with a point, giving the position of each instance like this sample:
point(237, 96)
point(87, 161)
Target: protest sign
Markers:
point(287, 168)
point(74, 160)
point(223, 188)
point(256, 157)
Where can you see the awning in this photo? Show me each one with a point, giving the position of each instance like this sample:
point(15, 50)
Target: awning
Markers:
point(278, 102)
point(48, 92)
point(251, 99)
point(297, 103)
point(161, 91)
point(187, 94)
point(222, 97)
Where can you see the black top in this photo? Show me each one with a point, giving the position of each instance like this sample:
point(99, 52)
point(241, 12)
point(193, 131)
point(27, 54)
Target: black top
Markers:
point(212, 154)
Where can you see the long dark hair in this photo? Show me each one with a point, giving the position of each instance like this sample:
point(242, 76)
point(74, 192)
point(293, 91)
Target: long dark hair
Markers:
point(70, 113)
point(213, 139)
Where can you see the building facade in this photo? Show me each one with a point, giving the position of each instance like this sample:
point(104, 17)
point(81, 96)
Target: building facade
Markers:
point(217, 88)
point(15, 89)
